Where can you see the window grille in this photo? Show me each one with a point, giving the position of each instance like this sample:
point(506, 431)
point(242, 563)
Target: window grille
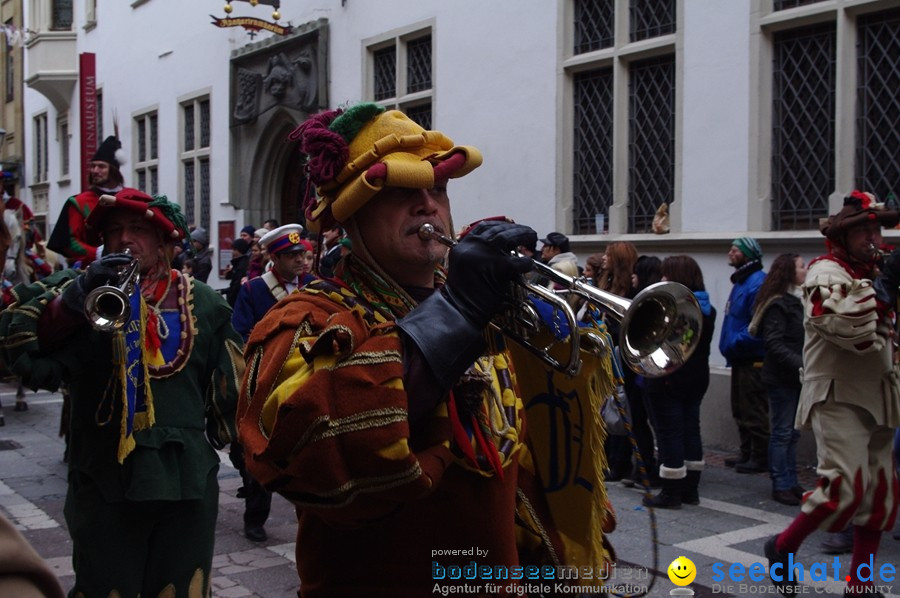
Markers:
point(651, 147)
point(64, 148)
point(141, 141)
point(154, 137)
point(189, 191)
point(147, 152)
point(204, 193)
point(62, 15)
point(878, 106)
point(803, 93)
point(418, 64)
point(9, 61)
point(651, 18)
point(41, 149)
point(421, 114)
point(385, 73)
point(189, 127)
point(204, 123)
point(196, 161)
point(594, 25)
point(402, 74)
point(786, 4)
point(592, 191)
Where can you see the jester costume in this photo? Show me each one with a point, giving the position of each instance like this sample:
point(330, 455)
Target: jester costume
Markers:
point(142, 498)
point(331, 417)
point(388, 416)
point(851, 395)
point(849, 384)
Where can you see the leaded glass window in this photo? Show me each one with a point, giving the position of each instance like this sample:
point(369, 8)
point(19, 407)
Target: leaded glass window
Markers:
point(402, 74)
point(594, 25)
point(593, 149)
point(147, 139)
point(651, 18)
point(878, 105)
point(421, 114)
point(803, 111)
point(385, 73)
point(61, 15)
point(418, 65)
point(651, 147)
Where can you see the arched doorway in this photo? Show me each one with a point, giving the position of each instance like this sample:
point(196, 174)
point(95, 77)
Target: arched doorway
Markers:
point(293, 187)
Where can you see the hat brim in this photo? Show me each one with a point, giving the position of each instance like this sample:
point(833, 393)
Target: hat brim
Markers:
point(397, 169)
point(835, 227)
point(109, 203)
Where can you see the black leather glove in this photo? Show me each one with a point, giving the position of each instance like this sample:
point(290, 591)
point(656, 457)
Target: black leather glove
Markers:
point(104, 271)
point(886, 285)
point(482, 268)
point(447, 329)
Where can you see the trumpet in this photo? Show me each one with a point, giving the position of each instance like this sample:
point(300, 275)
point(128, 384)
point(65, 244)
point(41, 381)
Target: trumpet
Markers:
point(108, 307)
point(659, 329)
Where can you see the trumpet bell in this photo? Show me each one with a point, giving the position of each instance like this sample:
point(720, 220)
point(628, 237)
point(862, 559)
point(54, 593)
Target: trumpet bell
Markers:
point(661, 329)
point(107, 308)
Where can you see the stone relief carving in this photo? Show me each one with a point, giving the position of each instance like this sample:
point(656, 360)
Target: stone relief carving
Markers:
point(246, 105)
point(285, 80)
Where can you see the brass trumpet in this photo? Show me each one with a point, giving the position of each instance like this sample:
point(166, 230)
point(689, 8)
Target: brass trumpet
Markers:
point(108, 307)
point(659, 329)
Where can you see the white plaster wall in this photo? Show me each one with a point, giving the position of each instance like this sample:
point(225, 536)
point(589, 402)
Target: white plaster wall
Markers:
point(496, 87)
point(495, 72)
point(716, 119)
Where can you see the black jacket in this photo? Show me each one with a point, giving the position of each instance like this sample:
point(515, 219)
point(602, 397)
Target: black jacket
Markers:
point(782, 329)
point(239, 267)
point(694, 374)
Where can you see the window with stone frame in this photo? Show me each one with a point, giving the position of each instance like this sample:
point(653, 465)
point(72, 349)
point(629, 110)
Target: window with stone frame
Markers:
point(195, 161)
point(146, 162)
point(878, 105)
point(61, 15)
point(803, 126)
point(41, 148)
point(400, 73)
point(10, 64)
point(62, 128)
point(620, 159)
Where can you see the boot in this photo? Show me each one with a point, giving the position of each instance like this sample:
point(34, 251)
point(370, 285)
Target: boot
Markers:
point(690, 494)
point(669, 497)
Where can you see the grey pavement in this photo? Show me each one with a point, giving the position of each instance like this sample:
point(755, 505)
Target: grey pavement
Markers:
point(725, 533)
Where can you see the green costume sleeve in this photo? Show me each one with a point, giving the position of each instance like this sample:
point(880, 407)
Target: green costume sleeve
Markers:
point(225, 379)
point(19, 333)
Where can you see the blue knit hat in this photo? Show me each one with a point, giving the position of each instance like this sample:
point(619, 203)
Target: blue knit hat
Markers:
point(749, 247)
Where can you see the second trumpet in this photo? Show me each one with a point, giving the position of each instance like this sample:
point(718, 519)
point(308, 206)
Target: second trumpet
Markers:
point(108, 307)
point(659, 330)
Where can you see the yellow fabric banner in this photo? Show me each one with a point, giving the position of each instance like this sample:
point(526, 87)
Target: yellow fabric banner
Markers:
point(567, 434)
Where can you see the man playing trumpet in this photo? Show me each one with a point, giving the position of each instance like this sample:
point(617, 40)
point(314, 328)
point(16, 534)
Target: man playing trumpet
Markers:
point(851, 395)
point(151, 397)
point(372, 401)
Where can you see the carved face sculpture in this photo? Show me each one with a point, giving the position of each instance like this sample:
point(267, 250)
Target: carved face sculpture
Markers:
point(278, 81)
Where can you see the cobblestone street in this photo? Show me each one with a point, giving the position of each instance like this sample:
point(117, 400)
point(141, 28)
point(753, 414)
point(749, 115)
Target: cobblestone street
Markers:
point(735, 516)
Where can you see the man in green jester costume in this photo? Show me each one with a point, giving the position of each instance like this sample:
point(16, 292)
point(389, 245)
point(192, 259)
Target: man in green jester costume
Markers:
point(150, 403)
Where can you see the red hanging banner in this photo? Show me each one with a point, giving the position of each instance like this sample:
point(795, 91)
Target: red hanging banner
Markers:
point(87, 91)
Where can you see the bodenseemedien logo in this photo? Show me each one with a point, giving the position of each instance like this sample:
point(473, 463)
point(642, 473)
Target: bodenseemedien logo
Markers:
point(682, 572)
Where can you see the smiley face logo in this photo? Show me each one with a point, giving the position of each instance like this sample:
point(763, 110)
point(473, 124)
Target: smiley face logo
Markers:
point(682, 571)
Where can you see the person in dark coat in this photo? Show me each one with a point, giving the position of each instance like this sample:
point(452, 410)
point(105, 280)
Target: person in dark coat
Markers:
point(778, 319)
point(237, 269)
point(674, 401)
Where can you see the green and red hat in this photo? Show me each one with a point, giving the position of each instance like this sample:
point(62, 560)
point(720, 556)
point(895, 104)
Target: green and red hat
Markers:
point(158, 210)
